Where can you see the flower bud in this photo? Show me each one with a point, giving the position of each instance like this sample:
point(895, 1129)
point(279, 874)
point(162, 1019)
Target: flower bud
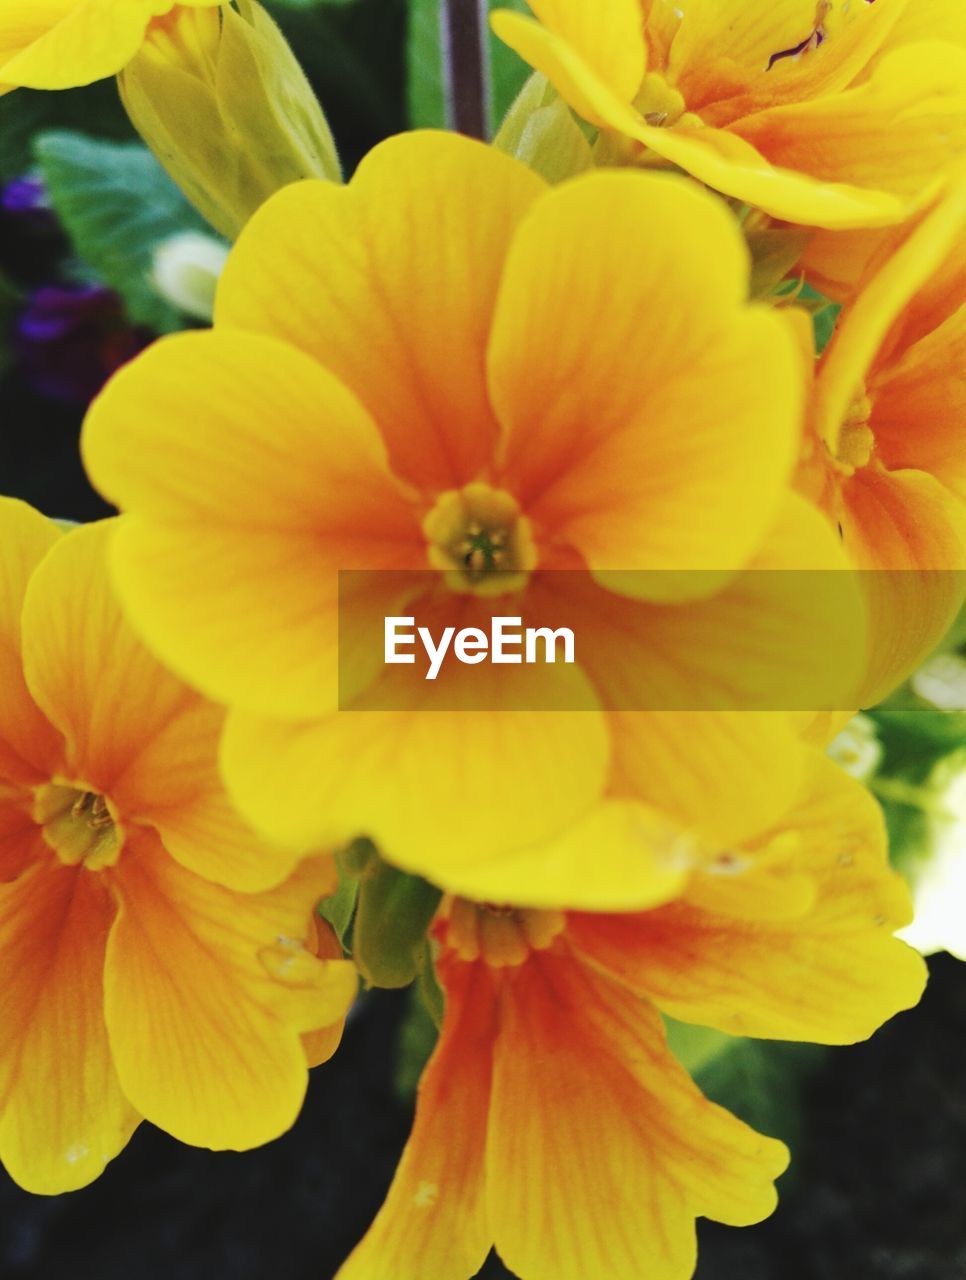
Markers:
point(185, 272)
point(220, 99)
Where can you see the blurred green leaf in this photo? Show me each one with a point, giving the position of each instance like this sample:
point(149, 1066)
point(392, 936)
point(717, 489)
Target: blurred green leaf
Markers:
point(116, 204)
point(417, 1040)
point(426, 93)
point(27, 112)
point(339, 908)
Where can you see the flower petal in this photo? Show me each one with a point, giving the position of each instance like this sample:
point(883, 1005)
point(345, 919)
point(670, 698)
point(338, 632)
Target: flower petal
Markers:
point(600, 368)
point(203, 1016)
point(597, 1134)
point(390, 283)
point(29, 745)
point(63, 1115)
point(77, 43)
point(433, 1224)
point(434, 789)
point(230, 566)
point(833, 975)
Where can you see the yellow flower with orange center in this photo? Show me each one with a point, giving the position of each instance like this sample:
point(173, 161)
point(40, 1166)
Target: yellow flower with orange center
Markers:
point(58, 44)
point(583, 1148)
point(841, 113)
point(136, 984)
point(451, 371)
point(883, 452)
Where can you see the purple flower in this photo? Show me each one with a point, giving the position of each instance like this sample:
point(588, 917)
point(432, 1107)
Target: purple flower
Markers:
point(70, 338)
point(26, 201)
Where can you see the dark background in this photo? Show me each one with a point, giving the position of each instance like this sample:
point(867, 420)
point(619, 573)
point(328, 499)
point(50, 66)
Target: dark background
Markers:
point(878, 1188)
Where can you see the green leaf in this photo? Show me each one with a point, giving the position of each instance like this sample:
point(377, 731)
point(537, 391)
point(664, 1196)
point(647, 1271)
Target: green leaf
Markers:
point(117, 205)
point(426, 93)
point(393, 914)
point(417, 1040)
point(339, 908)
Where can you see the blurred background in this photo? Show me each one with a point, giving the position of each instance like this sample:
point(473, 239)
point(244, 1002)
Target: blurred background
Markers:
point(876, 1191)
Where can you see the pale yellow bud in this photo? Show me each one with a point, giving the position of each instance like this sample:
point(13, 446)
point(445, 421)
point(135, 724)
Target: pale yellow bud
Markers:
point(218, 96)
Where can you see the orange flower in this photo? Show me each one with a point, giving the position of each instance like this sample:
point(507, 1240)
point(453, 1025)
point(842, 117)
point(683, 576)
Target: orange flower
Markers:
point(883, 452)
point(583, 1149)
point(829, 114)
point(136, 984)
point(449, 367)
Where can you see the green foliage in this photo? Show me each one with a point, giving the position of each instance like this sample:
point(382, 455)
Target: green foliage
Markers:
point(417, 1040)
point(339, 908)
point(393, 913)
point(426, 94)
point(117, 205)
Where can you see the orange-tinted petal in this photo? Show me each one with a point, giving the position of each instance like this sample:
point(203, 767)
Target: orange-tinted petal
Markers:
point(433, 1224)
point(63, 1115)
point(390, 283)
point(230, 566)
point(595, 382)
point(598, 1135)
point(833, 974)
point(206, 995)
point(29, 745)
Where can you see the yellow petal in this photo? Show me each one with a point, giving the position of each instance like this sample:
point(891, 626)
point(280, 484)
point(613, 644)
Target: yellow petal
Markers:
point(230, 567)
point(434, 789)
point(832, 975)
point(80, 43)
point(610, 38)
point(589, 1110)
point(199, 1006)
point(62, 1113)
point(390, 283)
point(29, 746)
point(600, 368)
point(622, 856)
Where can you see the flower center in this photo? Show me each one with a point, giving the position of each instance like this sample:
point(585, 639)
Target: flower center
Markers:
point(80, 825)
point(662, 105)
point(502, 936)
point(856, 441)
point(480, 540)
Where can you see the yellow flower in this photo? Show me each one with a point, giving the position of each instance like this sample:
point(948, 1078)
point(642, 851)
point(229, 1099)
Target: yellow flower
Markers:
point(58, 44)
point(828, 114)
point(584, 1149)
point(136, 984)
point(442, 350)
point(883, 450)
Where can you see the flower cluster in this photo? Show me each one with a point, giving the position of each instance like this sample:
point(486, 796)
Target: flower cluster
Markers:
point(572, 376)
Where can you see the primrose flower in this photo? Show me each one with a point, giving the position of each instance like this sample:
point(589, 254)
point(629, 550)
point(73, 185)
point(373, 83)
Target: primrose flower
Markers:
point(841, 113)
point(883, 451)
point(449, 368)
point(583, 1148)
point(136, 984)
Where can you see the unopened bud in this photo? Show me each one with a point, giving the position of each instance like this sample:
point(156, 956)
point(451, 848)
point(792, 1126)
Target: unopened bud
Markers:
point(185, 272)
point(219, 97)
